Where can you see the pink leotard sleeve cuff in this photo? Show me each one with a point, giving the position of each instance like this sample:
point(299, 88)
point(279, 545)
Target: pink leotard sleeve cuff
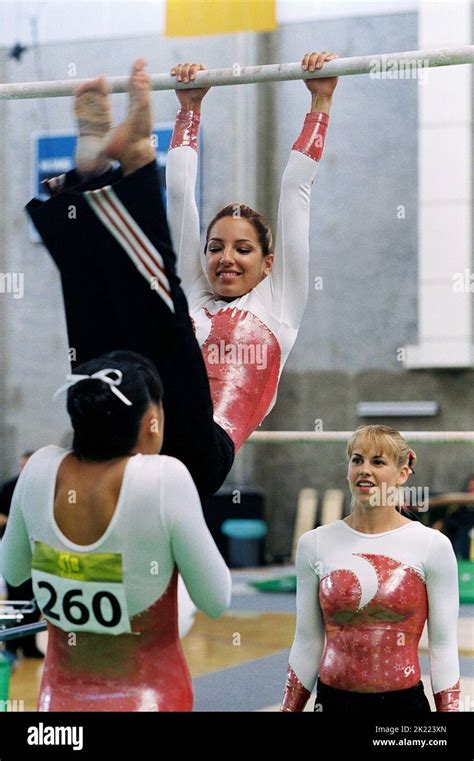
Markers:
point(296, 696)
point(186, 129)
point(448, 700)
point(312, 136)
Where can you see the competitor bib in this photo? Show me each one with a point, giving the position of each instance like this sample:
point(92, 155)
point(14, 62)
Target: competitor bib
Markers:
point(80, 592)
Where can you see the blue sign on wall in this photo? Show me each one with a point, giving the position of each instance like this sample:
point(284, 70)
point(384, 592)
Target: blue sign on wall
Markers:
point(53, 154)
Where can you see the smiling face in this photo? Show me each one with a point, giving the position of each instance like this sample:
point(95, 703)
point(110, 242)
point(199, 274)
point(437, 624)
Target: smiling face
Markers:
point(373, 474)
point(235, 263)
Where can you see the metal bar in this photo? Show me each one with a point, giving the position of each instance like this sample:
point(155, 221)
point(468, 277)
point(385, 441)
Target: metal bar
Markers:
point(376, 65)
point(24, 606)
point(22, 631)
point(332, 437)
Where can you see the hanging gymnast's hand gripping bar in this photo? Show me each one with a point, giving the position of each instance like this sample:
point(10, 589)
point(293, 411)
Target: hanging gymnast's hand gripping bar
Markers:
point(383, 65)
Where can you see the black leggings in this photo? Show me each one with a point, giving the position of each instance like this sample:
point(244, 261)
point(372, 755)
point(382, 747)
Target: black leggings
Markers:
point(110, 305)
point(332, 700)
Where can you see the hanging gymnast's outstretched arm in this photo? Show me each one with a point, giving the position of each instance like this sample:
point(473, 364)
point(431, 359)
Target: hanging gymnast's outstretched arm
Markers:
point(181, 174)
point(288, 284)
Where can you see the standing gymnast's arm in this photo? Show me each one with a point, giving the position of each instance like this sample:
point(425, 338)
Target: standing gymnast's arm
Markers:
point(443, 610)
point(289, 277)
point(308, 644)
point(199, 562)
point(181, 174)
point(15, 549)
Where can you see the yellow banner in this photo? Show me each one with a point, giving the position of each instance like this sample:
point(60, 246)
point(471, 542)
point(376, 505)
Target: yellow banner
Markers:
point(192, 18)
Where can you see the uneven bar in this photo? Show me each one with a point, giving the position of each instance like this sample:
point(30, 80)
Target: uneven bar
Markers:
point(331, 437)
point(380, 66)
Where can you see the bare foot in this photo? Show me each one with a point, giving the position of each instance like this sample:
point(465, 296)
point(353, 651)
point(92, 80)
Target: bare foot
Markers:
point(130, 141)
point(94, 120)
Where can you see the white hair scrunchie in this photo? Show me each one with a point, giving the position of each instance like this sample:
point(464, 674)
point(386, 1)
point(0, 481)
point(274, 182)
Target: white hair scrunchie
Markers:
point(102, 375)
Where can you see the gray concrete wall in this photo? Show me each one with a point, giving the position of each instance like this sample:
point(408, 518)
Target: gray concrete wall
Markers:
point(472, 163)
point(5, 434)
point(365, 255)
point(332, 397)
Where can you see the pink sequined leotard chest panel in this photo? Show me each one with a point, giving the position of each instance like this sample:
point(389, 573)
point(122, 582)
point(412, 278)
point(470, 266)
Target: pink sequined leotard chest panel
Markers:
point(372, 646)
point(243, 360)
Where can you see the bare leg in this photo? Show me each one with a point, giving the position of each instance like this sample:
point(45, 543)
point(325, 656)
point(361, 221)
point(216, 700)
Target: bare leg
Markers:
point(130, 141)
point(94, 120)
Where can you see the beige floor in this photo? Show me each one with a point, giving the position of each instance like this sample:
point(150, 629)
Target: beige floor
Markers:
point(234, 639)
point(210, 646)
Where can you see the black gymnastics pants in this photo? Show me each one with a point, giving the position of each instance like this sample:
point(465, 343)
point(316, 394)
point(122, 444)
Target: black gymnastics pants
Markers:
point(96, 241)
point(333, 700)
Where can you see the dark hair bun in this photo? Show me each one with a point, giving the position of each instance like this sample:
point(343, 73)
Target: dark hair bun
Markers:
point(91, 397)
point(104, 425)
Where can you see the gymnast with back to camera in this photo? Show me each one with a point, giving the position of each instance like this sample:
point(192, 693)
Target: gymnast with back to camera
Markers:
point(103, 529)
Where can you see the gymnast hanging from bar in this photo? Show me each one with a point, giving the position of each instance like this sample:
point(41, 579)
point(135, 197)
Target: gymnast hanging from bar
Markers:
point(107, 232)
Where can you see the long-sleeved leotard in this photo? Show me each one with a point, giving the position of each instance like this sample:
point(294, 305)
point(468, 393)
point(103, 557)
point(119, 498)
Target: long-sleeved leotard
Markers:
point(370, 594)
point(111, 606)
point(245, 343)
